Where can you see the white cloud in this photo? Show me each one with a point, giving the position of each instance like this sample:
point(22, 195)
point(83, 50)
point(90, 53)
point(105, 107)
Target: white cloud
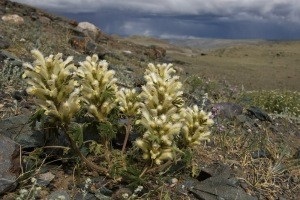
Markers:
point(136, 28)
point(236, 9)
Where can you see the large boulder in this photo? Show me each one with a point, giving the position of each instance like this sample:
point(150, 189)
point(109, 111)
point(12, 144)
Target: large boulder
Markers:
point(13, 18)
point(90, 29)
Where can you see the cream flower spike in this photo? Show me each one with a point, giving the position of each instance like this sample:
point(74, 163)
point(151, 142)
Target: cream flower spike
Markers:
point(128, 101)
point(162, 99)
point(196, 125)
point(51, 80)
point(98, 87)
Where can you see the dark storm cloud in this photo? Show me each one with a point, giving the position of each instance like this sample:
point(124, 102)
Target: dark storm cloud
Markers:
point(270, 19)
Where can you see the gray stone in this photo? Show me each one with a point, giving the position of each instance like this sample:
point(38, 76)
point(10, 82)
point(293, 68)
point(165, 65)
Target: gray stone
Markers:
point(242, 118)
point(59, 194)
point(44, 20)
point(261, 153)
point(88, 196)
point(18, 129)
point(219, 187)
point(93, 48)
point(45, 179)
point(101, 196)
point(297, 154)
point(14, 63)
point(8, 55)
point(4, 43)
point(217, 183)
point(259, 114)
point(9, 164)
point(227, 110)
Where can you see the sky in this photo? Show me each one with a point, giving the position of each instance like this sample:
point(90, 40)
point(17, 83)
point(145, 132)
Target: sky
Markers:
point(227, 19)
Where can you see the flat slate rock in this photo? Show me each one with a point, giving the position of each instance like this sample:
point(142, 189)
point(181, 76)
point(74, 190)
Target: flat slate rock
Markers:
point(214, 183)
point(9, 164)
point(259, 114)
point(18, 129)
point(216, 188)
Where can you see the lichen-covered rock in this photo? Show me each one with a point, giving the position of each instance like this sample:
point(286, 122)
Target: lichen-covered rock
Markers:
point(13, 18)
point(90, 29)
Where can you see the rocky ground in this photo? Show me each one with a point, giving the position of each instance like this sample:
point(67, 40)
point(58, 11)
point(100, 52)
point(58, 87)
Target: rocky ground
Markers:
point(252, 154)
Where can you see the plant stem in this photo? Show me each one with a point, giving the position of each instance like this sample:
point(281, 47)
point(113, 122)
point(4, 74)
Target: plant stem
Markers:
point(89, 164)
point(107, 152)
point(128, 129)
point(160, 167)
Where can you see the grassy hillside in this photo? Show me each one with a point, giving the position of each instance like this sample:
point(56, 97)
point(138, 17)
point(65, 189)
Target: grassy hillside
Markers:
point(252, 64)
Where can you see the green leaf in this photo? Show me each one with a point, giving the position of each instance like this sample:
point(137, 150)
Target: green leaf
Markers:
point(76, 133)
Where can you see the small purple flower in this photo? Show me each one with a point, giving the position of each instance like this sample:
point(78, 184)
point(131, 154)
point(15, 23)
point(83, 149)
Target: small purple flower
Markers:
point(215, 111)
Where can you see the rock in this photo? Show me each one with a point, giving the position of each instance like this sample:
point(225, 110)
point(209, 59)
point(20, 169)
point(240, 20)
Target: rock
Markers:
point(122, 193)
point(219, 187)
point(13, 18)
point(4, 43)
point(241, 118)
point(102, 196)
point(45, 179)
point(76, 32)
point(127, 52)
point(90, 29)
point(155, 52)
point(2, 59)
point(10, 60)
point(18, 129)
point(259, 114)
point(73, 22)
point(89, 196)
point(216, 182)
point(93, 48)
point(226, 110)
point(297, 154)
point(261, 153)
point(88, 26)
point(7, 55)
point(78, 43)
point(19, 95)
point(87, 46)
point(9, 164)
point(59, 194)
point(44, 20)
